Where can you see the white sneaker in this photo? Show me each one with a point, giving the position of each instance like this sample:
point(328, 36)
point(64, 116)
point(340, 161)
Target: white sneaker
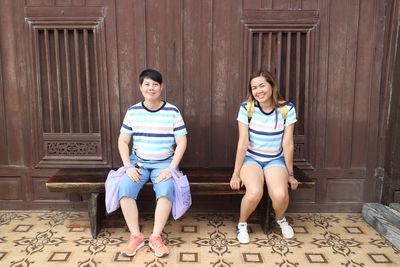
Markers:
point(242, 233)
point(287, 230)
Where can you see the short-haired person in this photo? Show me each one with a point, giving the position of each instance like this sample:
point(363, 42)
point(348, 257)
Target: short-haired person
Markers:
point(264, 152)
point(158, 133)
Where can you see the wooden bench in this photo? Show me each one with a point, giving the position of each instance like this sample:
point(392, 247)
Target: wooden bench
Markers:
point(205, 181)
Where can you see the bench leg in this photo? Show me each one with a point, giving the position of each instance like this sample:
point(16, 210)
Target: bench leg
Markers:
point(266, 209)
point(95, 213)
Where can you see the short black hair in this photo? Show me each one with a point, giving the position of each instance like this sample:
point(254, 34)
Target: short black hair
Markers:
point(150, 74)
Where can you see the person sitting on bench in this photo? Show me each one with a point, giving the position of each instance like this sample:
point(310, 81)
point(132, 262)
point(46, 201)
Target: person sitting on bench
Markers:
point(155, 128)
point(264, 151)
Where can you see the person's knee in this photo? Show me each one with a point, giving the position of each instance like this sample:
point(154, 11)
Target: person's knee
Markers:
point(125, 200)
point(164, 199)
point(279, 197)
point(165, 189)
point(254, 195)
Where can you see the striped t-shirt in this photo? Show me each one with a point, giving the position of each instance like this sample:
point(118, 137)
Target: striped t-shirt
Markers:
point(266, 131)
point(153, 132)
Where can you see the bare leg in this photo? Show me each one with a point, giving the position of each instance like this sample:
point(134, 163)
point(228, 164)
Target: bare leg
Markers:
point(252, 178)
point(277, 182)
point(131, 214)
point(161, 215)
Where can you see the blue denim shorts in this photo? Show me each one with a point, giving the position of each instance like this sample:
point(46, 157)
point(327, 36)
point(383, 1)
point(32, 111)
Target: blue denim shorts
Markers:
point(279, 162)
point(149, 170)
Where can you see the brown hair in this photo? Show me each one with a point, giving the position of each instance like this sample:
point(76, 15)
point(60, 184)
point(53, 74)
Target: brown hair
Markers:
point(276, 97)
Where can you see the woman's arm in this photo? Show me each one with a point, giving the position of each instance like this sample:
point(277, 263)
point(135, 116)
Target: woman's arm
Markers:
point(123, 147)
point(242, 146)
point(181, 143)
point(288, 150)
point(179, 151)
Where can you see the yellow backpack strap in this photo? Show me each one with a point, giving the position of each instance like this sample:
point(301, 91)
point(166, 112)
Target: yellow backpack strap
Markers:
point(283, 110)
point(250, 109)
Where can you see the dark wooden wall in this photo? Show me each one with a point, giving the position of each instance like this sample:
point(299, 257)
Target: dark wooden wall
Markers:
point(68, 72)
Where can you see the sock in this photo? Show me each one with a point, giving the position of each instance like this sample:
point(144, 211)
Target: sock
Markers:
point(281, 220)
point(242, 224)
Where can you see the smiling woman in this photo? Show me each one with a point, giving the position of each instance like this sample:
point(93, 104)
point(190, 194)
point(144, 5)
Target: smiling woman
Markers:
point(155, 127)
point(265, 151)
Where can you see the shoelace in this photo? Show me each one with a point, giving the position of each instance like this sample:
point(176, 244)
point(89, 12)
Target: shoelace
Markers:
point(285, 223)
point(242, 229)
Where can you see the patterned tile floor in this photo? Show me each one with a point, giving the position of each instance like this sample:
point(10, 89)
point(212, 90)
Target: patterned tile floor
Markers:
point(47, 238)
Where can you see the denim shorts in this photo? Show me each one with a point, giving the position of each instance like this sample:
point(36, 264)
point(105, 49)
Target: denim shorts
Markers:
point(150, 170)
point(279, 162)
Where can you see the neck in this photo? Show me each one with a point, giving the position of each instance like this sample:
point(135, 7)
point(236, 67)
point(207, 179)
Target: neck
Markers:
point(153, 105)
point(267, 105)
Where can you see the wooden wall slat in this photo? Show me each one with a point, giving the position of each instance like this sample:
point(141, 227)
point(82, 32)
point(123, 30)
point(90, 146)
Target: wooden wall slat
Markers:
point(87, 80)
point(375, 106)
point(174, 71)
point(347, 121)
point(249, 56)
point(259, 50)
point(131, 58)
point(234, 79)
point(68, 80)
point(278, 57)
point(197, 102)
point(363, 77)
point(10, 81)
point(49, 82)
point(96, 78)
point(58, 80)
point(3, 129)
point(156, 34)
point(269, 49)
point(337, 61)
point(78, 88)
point(298, 68)
point(322, 94)
point(224, 106)
point(307, 100)
point(287, 71)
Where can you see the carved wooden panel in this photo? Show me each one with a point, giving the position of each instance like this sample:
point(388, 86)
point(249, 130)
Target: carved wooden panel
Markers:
point(284, 42)
point(69, 86)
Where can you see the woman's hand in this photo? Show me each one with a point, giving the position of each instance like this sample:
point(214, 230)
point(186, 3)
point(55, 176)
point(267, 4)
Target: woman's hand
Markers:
point(134, 173)
point(235, 183)
point(293, 183)
point(163, 175)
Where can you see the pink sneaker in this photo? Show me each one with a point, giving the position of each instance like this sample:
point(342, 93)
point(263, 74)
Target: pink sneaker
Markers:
point(134, 244)
point(157, 245)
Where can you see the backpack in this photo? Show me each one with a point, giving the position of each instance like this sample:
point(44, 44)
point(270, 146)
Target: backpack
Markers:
point(250, 109)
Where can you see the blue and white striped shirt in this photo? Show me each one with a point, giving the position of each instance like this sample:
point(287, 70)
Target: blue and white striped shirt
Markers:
point(153, 132)
point(266, 131)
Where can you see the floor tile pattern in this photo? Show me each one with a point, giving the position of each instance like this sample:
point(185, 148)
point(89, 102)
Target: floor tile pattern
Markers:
point(50, 238)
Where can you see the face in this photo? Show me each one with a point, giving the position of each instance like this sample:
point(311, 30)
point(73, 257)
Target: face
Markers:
point(151, 90)
point(261, 89)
